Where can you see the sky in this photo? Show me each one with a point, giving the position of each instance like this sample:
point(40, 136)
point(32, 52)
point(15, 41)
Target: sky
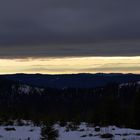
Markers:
point(69, 36)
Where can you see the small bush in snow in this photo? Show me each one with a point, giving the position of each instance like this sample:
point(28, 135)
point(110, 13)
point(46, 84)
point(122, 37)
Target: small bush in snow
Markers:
point(97, 129)
point(71, 127)
point(90, 135)
point(81, 130)
point(49, 133)
point(107, 135)
point(84, 136)
point(10, 129)
point(63, 124)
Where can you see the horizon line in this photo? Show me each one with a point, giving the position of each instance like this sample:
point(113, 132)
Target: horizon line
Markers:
point(106, 73)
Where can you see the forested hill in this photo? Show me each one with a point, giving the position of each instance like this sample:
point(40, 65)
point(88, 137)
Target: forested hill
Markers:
point(113, 104)
point(73, 80)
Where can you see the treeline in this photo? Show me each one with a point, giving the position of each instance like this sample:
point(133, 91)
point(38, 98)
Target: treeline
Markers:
point(112, 104)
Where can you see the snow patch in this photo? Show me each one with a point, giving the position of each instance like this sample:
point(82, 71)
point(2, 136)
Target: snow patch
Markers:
point(26, 89)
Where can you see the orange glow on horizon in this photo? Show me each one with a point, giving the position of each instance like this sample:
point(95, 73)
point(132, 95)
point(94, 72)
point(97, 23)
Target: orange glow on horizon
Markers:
point(68, 65)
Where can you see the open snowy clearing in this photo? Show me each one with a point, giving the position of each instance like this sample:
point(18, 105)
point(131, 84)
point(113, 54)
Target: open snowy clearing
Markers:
point(81, 132)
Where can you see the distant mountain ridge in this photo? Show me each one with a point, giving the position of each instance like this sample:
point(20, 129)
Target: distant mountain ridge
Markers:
point(82, 80)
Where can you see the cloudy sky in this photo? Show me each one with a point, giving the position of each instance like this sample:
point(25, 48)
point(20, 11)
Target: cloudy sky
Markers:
point(69, 36)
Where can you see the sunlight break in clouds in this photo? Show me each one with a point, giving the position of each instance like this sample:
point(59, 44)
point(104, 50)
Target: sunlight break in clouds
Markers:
point(67, 65)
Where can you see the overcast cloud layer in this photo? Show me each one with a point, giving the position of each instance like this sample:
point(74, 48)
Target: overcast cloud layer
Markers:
point(25, 23)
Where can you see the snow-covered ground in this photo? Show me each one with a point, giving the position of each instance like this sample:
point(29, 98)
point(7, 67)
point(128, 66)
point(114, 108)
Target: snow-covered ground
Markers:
point(19, 133)
point(88, 133)
point(81, 132)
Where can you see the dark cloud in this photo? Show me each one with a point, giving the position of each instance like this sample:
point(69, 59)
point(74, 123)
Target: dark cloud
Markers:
point(29, 22)
point(121, 48)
